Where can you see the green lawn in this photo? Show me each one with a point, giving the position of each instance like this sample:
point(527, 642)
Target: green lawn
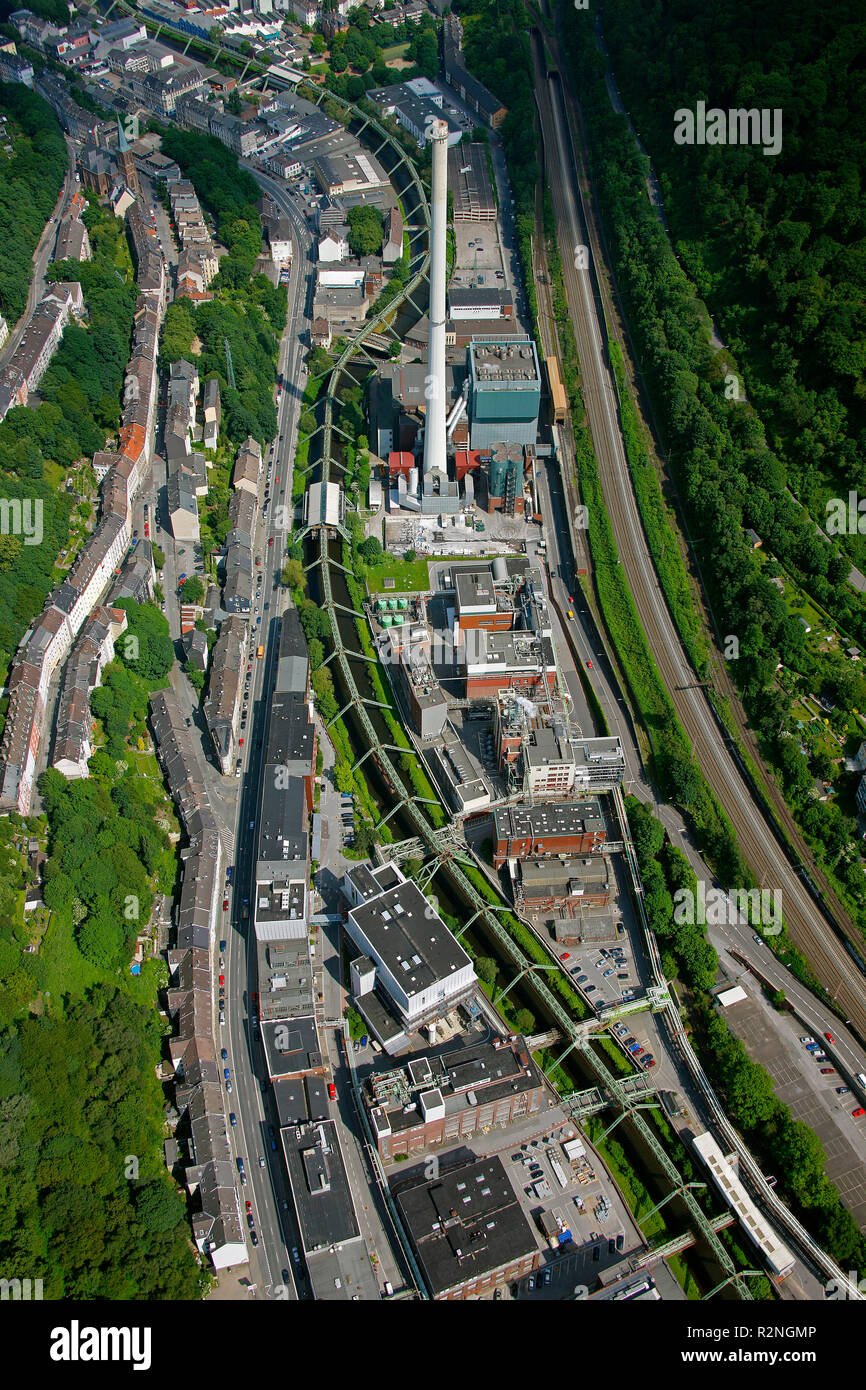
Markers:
point(410, 576)
point(397, 50)
point(145, 763)
point(66, 969)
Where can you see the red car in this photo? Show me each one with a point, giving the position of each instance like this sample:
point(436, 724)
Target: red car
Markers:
point(826, 1071)
point(829, 1037)
point(565, 956)
point(277, 478)
point(332, 1092)
point(589, 665)
point(222, 979)
point(225, 904)
point(270, 540)
point(240, 742)
point(249, 1206)
point(858, 1112)
point(147, 528)
point(254, 996)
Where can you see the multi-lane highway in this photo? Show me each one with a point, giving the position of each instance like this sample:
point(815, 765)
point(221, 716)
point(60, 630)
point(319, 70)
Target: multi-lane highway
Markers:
point(807, 925)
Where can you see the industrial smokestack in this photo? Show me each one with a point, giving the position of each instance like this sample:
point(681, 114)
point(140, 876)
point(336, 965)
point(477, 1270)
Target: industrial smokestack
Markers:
point(434, 433)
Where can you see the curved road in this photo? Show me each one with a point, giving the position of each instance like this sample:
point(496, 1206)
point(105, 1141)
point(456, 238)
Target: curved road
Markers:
point(756, 836)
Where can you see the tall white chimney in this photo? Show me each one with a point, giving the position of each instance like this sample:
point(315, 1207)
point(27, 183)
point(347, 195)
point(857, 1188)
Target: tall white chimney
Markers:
point(434, 428)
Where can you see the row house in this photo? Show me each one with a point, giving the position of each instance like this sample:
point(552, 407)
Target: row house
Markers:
point(49, 640)
point(209, 1174)
point(92, 652)
point(39, 342)
point(223, 704)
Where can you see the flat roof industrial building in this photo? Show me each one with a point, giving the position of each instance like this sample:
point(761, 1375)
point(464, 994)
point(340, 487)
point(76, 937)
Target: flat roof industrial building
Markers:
point(469, 181)
point(468, 1229)
point(416, 962)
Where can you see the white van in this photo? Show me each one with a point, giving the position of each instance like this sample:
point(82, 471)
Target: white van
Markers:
point(389, 1289)
point(860, 1079)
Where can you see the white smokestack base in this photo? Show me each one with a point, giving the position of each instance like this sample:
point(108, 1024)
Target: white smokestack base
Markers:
point(434, 433)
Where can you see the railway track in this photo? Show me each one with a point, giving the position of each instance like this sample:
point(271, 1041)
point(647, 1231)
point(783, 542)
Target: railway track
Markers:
point(809, 926)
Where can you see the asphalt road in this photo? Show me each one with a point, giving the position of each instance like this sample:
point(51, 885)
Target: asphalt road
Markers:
point(267, 1188)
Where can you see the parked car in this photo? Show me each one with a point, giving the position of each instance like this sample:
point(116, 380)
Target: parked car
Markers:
point(843, 1090)
point(232, 1119)
point(858, 1112)
point(566, 955)
point(332, 1091)
point(828, 1071)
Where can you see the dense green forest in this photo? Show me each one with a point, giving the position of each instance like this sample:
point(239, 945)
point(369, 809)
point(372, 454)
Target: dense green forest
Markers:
point(247, 311)
point(86, 1202)
point(732, 476)
point(79, 404)
point(775, 245)
point(30, 182)
point(787, 1146)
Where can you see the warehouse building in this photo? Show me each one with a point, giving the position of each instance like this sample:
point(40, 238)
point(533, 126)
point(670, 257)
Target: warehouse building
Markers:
point(468, 1229)
point(570, 883)
point(419, 969)
point(469, 182)
point(444, 1099)
point(505, 392)
point(522, 832)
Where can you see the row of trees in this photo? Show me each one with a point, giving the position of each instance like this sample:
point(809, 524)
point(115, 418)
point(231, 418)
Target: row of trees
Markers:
point(32, 178)
point(774, 244)
point(788, 1146)
point(730, 478)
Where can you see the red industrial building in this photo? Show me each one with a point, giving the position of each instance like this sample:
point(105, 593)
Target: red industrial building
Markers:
point(436, 1100)
point(520, 832)
point(478, 603)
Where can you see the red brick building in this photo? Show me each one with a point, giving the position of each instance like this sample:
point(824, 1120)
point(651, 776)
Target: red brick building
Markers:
point(521, 832)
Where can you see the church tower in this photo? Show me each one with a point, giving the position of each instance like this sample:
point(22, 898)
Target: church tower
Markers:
point(126, 159)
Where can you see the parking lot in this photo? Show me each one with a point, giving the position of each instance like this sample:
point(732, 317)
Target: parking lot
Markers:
point(477, 253)
point(808, 1083)
point(606, 974)
point(579, 1199)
